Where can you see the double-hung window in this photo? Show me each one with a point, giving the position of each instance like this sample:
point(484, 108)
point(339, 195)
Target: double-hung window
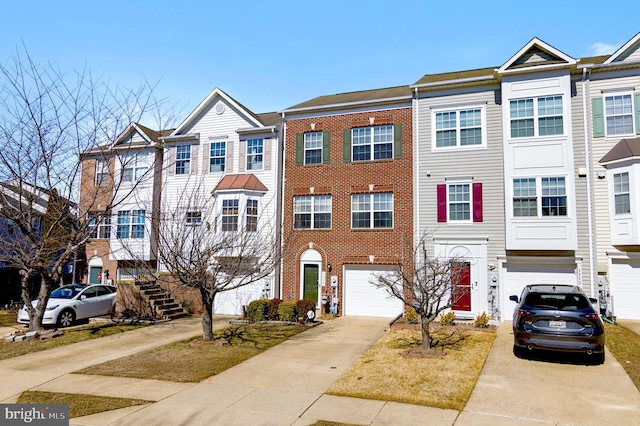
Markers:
point(217, 156)
point(230, 215)
point(183, 159)
point(458, 128)
point(312, 212)
point(535, 197)
point(621, 193)
point(100, 225)
point(313, 148)
point(372, 210)
point(252, 215)
point(255, 152)
point(372, 143)
point(532, 117)
point(130, 224)
point(134, 167)
point(619, 114)
point(193, 218)
point(102, 172)
point(460, 202)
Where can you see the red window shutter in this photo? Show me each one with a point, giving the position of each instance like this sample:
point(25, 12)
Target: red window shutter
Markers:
point(442, 203)
point(477, 202)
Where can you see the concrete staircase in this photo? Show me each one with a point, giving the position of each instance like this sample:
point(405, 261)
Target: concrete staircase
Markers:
point(163, 305)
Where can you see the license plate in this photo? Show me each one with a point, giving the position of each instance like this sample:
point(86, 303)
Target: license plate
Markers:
point(557, 324)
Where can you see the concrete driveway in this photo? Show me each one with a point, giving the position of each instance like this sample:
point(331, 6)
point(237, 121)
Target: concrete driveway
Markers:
point(512, 391)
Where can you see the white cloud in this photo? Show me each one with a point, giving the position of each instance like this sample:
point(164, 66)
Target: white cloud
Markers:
point(597, 49)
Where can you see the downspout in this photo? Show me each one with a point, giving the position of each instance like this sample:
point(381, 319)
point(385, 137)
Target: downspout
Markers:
point(587, 153)
point(277, 288)
point(416, 170)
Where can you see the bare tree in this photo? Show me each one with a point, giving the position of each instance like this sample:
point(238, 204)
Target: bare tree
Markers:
point(47, 119)
point(213, 245)
point(430, 285)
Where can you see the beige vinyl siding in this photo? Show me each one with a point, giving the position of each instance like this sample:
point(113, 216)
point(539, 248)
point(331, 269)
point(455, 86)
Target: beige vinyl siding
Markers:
point(484, 164)
point(580, 196)
point(600, 146)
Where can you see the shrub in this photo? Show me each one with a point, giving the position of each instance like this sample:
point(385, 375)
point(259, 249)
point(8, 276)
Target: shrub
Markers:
point(287, 311)
point(272, 309)
point(257, 310)
point(410, 315)
point(482, 321)
point(303, 306)
point(448, 319)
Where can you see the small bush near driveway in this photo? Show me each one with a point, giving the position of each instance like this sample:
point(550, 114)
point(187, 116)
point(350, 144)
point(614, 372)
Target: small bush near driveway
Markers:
point(194, 360)
point(447, 381)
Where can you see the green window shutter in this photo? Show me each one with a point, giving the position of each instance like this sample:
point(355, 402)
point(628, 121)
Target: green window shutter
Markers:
point(326, 142)
point(299, 149)
point(397, 141)
point(598, 117)
point(637, 102)
point(346, 146)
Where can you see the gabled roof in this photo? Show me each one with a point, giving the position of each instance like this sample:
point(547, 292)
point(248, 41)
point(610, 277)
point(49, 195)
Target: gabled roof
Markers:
point(241, 182)
point(537, 54)
point(354, 98)
point(149, 135)
point(209, 100)
point(623, 150)
point(628, 48)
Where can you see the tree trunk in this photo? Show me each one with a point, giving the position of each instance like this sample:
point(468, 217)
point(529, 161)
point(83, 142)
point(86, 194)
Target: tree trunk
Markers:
point(36, 314)
point(207, 314)
point(426, 333)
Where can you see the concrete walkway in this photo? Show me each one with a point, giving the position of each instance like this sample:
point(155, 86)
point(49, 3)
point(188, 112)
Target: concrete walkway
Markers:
point(285, 385)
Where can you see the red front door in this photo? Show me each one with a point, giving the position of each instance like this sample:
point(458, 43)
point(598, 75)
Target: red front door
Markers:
point(462, 289)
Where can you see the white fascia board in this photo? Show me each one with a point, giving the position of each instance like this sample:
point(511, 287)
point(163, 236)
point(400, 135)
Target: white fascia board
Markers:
point(622, 50)
point(542, 45)
point(180, 138)
point(346, 104)
point(266, 129)
point(621, 162)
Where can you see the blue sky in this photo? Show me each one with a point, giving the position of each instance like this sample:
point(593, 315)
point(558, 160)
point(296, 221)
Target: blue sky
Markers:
point(270, 55)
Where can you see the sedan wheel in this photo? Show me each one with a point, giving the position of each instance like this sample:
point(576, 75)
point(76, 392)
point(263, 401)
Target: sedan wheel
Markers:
point(66, 318)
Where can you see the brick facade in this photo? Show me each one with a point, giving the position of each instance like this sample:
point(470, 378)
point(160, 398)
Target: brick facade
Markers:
point(342, 245)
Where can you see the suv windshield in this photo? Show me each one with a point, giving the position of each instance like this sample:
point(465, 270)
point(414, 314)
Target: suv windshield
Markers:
point(65, 292)
point(563, 302)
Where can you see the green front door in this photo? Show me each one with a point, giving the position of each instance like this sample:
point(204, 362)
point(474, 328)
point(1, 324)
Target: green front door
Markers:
point(95, 275)
point(311, 282)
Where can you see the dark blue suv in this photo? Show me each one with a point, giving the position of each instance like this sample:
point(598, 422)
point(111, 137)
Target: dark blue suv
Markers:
point(557, 317)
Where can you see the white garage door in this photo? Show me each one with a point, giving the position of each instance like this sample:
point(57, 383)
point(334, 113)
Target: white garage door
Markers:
point(516, 276)
point(624, 281)
point(231, 302)
point(361, 298)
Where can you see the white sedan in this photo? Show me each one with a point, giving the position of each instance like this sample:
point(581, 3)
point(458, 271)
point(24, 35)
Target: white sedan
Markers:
point(74, 302)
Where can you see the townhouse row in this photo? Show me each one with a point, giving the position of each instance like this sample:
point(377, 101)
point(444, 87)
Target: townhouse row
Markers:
point(528, 171)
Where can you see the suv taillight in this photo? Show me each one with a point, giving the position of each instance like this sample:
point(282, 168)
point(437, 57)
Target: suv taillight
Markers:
point(593, 316)
point(523, 312)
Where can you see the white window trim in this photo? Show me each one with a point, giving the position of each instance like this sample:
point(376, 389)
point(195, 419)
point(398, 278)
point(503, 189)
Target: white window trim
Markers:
point(225, 156)
point(536, 117)
point(460, 182)
point(130, 224)
point(313, 212)
point(633, 118)
point(539, 197)
point(262, 153)
point(629, 192)
point(372, 210)
point(372, 144)
point(193, 218)
point(457, 109)
point(304, 146)
point(103, 166)
point(187, 160)
point(131, 161)
point(243, 198)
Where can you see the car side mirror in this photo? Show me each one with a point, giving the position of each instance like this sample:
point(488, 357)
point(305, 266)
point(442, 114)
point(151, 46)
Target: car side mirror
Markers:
point(593, 300)
point(514, 298)
point(83, 297)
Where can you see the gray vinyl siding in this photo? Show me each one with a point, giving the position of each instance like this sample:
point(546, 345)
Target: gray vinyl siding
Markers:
point(484, 164)
point(599, 147)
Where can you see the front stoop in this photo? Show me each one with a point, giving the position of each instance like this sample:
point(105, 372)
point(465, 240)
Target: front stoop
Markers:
point(163, 305)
